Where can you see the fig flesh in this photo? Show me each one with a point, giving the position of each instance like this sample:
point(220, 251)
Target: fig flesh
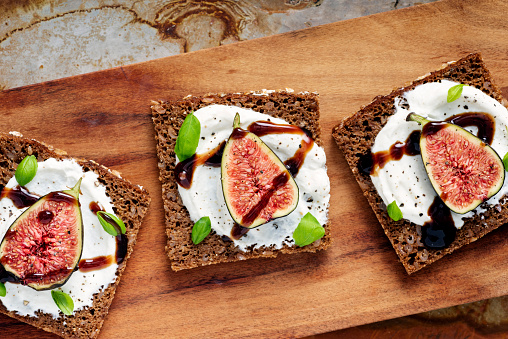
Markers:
point(464, 170)
point(43, 245)
point(257, 186)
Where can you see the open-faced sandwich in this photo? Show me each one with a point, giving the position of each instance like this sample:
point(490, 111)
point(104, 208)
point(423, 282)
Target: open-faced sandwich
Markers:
point(67, 228)
point(243, 176)
point(429, 159)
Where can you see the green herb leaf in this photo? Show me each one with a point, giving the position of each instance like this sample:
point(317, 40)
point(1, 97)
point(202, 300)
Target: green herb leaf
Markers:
point(3, 291)
point(200, 230)
point(188, 137)
point(505, 161)
point(308, 230)
point(454, 92)
point(111, 223)
point(63, 301)
point(26, 170)
point(394, 211)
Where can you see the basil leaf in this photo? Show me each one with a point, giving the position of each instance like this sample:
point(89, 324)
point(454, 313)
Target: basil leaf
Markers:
point(26, 170)
point(63, 301)
point(505, 161)
point(394, 211)
point(111, 223)
point(454, 92)
point(188, 137)
point(200, 230)
point(308, 230)
point(3, 291)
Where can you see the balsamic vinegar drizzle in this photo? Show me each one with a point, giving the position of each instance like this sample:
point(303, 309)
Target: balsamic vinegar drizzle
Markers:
point(20, 196)
point(440, 231)
point(184, 170)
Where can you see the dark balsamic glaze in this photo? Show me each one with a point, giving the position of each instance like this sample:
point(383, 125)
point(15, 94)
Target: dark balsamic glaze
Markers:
point(88, 265)
point(483, 121)
point(184, 170)
point(253, 213)
point(371, 162)
point(45, 217)
point(440, 231)
point(294, 163)
point(95, 207)
point(20, 196)
point(6, 276)
point(238, 231)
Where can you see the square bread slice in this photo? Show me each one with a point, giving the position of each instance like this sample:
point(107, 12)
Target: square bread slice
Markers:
point(300, 109)
point(130, 205)
point(356, 134)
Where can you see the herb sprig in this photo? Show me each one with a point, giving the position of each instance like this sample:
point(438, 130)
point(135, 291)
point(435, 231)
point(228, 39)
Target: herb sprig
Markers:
point(26, 170)
point(200, 230)
point(63, 301)
point(188, 137)
point(111, 223)
point(394, 211)
point(308, 231)
point(454, 92)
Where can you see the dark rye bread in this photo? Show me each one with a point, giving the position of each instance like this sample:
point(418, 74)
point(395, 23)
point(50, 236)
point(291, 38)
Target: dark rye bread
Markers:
point(130, 205)
point(298, 109)
point(355, 135)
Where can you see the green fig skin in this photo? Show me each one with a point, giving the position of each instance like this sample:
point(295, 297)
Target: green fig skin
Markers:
point(43, 246)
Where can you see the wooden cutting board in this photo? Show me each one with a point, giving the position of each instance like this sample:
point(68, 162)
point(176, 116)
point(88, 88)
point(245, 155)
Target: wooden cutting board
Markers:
point(105, 116)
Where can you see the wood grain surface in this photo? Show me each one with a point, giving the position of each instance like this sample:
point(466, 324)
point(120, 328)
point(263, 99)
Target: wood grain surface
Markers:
point(105, 116)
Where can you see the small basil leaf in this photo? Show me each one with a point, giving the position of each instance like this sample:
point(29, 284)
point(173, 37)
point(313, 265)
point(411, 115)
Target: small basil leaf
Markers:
point(454, 92)
point(394, 211)
point(111, 223)
point(188, 137)
point(3, 291)
point(63, 301)
point(308, 230)
point(26, 170)
point(505, 161)
point(200, 230)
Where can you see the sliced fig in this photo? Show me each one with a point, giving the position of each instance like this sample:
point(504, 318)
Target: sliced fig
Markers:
point(44, 244)
point(464, 170)
point(257, 186)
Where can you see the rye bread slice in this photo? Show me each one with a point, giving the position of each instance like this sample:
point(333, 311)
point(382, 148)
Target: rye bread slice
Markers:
point(356, 134)
point(297, 109)
point(130, 205)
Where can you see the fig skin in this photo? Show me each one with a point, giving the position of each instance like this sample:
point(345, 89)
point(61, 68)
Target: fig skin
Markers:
point(35, 249)
point(463, 170)
point(256, 184)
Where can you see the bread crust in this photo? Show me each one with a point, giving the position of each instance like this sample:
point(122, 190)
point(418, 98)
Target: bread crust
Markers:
point(130, 205)
point(355, 136)
point(297, 109)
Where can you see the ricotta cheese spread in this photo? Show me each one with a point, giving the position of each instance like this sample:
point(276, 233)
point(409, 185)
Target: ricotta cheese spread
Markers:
point(57, 175)
point(406, 180)
point(205, 197)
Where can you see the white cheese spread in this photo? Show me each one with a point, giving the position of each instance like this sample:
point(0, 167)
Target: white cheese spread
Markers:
point(57, 175)
point(405, 180)
point(205, 197)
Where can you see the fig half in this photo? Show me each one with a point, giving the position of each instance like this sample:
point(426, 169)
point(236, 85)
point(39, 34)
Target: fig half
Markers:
point(464, 170)
point(44, 244)
point(256, 184)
